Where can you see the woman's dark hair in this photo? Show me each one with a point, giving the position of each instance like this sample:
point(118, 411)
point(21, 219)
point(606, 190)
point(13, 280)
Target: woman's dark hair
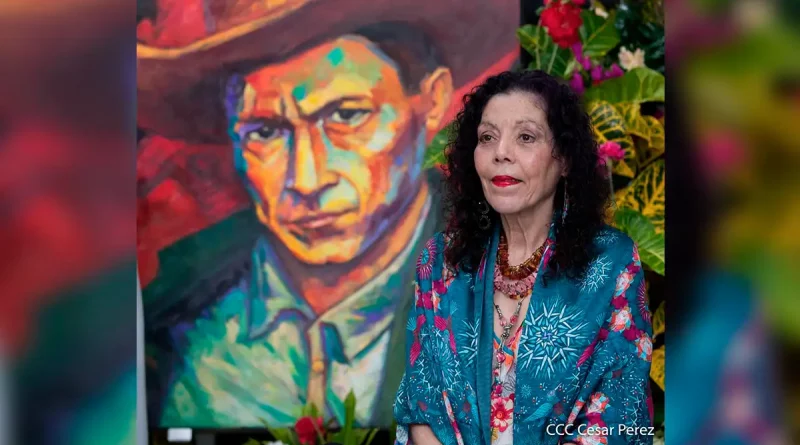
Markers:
point(573, 141)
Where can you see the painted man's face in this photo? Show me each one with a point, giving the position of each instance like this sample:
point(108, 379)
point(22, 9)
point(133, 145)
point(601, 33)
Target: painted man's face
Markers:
point(330, 146)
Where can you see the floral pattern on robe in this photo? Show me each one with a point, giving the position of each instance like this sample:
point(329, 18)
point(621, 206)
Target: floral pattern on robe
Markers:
point(583, 360)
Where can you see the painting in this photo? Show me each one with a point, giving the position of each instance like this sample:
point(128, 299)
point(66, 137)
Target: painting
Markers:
point(282, 195)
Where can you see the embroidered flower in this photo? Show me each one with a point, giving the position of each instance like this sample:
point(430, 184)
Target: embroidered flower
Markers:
point(643, 301)
point(439, 287)
point(435, 299)
point(624, 281)
point(448, 275)
point(440, 323)
point(619, 302)
point(452, 342)
point(636, 260)
point(425, 260)
point(425, 300)
point(575, 410)
point(502, 410)
point(644, 346)
point(632, 333)
point(598, 403)
point(620, 320)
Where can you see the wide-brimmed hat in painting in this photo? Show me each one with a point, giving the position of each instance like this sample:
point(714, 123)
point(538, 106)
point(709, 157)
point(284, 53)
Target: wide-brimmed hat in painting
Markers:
point(186, 48)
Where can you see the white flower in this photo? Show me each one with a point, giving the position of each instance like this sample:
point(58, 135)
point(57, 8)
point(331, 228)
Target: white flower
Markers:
point(601, 12)
point(277, 442)
point(630, 60)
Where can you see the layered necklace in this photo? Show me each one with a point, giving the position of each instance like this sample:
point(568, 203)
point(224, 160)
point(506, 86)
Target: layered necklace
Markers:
point(517, 283)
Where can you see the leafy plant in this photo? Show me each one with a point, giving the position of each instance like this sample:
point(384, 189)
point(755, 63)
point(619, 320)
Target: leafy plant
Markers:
point(547, 56)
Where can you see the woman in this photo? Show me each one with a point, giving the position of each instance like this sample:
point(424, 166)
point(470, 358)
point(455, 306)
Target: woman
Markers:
point(530, 323)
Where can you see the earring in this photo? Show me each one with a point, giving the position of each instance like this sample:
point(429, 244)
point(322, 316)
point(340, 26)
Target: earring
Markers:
point(484, 222)
point(565, 205)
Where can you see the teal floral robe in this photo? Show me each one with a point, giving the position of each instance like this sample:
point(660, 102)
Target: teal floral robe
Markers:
point(583, 360)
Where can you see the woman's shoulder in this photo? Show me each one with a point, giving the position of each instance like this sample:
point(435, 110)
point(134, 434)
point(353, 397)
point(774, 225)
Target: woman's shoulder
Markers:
point(614, 244)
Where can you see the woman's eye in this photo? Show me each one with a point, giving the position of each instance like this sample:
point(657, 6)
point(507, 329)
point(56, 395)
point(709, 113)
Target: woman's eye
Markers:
point(262, 134)
point(349, 116)
point(484, 138)
point(526, 138)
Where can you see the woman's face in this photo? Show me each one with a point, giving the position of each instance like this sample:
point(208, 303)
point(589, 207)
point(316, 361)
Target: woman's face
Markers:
point(514, 156)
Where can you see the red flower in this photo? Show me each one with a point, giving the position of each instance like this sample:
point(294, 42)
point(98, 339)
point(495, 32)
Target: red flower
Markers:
point(502, 409)
point(425, 300)
point(562, 21)
point(308, 430)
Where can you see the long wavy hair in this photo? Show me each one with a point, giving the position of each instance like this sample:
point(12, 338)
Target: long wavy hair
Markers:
point(587, 189)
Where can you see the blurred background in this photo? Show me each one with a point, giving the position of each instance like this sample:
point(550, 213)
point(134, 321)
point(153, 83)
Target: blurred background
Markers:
point(67, 222)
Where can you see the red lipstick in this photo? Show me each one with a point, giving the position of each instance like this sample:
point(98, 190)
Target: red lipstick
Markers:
point(505, 181)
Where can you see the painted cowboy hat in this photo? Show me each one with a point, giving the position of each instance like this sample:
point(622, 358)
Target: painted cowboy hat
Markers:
point(184, 50)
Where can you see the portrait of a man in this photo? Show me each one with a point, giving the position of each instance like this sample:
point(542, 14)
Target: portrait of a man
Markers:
point(322, 111)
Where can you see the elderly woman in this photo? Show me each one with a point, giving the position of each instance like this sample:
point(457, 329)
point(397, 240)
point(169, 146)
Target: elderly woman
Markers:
point(530, 323)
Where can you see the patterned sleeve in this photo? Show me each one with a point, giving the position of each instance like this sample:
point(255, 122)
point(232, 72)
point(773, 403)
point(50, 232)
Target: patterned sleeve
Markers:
point(617, 408)
point(420, 398)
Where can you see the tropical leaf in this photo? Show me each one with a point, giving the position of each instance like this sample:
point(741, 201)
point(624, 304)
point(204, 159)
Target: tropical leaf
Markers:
point(642, 231)
point(598, 34)
point(434, 153)
point(657, 367)
point(645, 193)
point(659, 325)
point(648, 152)
point(547, 56)
point(637, 85)
point(635, 123)
point(609, 125)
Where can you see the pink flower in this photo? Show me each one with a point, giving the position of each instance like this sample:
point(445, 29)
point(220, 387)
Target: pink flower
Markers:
point(502, 409)
point(577, 50)
point(576, 83)
point(644, 346)
point(632, 333)
point(425, 300)
point(597, 74)
point(620, 320)
point(624, 281)
point(619, 302)
point(611, 150)
point(597, 403)
point(439, 287)
point(614, 71)
point(440, 323)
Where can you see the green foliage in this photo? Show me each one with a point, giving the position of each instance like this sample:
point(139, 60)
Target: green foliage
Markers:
point(598, 35)
point(434, 153)
point(547, 56)
point(642, 231)
point(348, 434)
point(637, 85)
